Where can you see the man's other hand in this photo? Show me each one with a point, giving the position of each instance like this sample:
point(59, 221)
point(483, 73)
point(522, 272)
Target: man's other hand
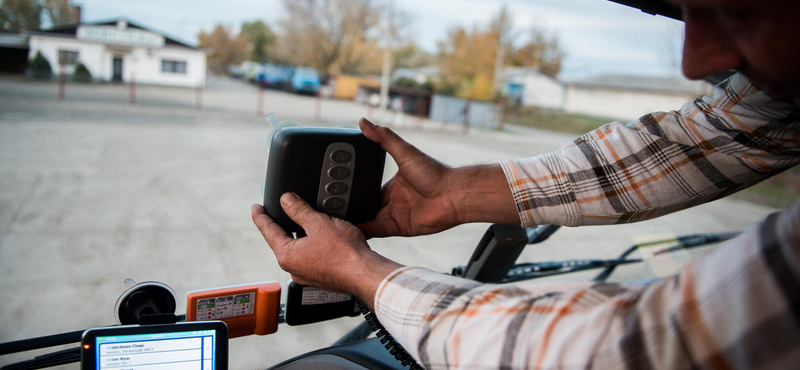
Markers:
point(333, 256)
point(427, 196)
point(418, 200)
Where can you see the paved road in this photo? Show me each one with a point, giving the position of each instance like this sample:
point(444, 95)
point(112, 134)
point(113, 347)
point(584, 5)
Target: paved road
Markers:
point(95, 190)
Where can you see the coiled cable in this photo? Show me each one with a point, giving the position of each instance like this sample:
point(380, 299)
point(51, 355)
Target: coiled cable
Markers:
point(394, 348)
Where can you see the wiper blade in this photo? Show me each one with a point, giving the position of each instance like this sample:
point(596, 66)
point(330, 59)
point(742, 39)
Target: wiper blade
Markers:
point(66, 356)
point(40, 342)
point(50, 340)
point(684, 242)
point(528, 271)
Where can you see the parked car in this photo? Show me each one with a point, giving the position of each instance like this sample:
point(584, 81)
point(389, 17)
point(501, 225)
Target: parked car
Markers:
point(274, 75)
point(245, 71)
point(250, 71)
point(305, 80)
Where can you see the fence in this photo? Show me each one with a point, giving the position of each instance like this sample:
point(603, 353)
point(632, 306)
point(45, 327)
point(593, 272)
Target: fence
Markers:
point(468, 112)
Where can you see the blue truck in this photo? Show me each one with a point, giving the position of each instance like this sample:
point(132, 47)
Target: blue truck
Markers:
point(305, 80)
point(273, 75)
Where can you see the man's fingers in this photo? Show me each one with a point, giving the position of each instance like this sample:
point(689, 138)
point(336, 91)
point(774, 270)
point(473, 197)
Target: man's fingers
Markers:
point(398, 148)
point(299, 210)
point(275, 235)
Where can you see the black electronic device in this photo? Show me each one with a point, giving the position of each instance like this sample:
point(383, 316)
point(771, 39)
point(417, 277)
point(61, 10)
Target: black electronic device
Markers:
point(196, 345)
point(337, 170)
point(307, 305)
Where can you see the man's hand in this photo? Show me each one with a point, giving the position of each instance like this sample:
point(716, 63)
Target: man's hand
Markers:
point(333, 256)
point(426, 196)
point(416, 201)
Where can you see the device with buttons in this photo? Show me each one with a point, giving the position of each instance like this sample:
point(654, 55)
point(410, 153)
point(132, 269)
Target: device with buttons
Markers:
point(246, 309)
point(335, 180)
point(338, 170)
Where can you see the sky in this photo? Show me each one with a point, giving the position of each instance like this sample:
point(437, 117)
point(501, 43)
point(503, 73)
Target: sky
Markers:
point(599, 37)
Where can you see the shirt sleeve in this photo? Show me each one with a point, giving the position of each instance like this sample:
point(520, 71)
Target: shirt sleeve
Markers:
point(736, 307)
point(661, 163)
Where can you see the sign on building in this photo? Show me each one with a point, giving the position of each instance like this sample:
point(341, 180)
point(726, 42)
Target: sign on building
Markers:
point(114, 35)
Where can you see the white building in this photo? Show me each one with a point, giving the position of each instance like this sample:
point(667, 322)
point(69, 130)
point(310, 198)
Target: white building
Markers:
point(121, 51)
point(530, 87)
point(627, 98)
point(614, 97)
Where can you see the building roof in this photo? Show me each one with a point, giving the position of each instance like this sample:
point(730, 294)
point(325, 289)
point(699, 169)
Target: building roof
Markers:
point(671, 85)
point(72, 30)
point(13, 41)
point(510, 72)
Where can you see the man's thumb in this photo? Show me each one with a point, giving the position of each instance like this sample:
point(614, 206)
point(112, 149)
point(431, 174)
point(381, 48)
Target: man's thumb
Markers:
point(298, 210)
point(392, 143)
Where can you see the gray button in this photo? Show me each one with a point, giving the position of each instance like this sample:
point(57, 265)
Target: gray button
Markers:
point(336, 188)
point(333, 203)
point(341, 156)
point(338, 172)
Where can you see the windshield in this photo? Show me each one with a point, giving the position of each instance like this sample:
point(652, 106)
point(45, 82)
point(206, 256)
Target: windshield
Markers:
point(133, 134)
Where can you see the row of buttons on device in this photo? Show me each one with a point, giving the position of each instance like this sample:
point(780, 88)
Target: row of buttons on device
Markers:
point(338, 173)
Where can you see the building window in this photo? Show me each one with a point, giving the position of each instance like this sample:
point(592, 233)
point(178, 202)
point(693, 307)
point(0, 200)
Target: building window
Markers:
point(67, 57)
point(173, 66)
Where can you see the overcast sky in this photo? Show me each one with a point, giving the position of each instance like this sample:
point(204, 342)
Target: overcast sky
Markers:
point(599, 37)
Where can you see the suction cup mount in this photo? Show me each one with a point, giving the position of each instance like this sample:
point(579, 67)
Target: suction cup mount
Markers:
point(146, 303)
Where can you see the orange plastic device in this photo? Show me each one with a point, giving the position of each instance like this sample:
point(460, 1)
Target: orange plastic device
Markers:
point(246, 309)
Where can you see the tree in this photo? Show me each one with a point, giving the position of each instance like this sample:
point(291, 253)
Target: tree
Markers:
point(62, 12)
point(39, 65)
point(19, 15)
point(259, 40)
point(331, 35)
point(539, 52)
point(224, 49)
point(82, 73)
point(411, 56)
point(501, 27)
point(466, 62)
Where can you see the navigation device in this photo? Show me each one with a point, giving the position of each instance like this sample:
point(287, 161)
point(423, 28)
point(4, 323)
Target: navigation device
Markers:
point(181, 346)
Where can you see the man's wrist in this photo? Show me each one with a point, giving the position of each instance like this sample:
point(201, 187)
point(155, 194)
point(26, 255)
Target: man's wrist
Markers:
point(372, 269)
point(481, 194)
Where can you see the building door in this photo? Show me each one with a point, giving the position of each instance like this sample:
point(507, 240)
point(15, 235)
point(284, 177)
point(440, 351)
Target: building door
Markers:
point(117, 69)
point(515, 93)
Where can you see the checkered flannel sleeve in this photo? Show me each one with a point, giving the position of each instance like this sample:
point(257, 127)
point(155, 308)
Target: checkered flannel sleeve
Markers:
point(738, 307)
point(661, 163)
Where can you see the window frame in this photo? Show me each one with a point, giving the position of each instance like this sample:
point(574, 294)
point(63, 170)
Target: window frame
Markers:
point(173, 66)
point(68, 57)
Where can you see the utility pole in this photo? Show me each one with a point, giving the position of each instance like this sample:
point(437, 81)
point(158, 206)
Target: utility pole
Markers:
point(387, 61)
point(498, 67)
point(502, 25)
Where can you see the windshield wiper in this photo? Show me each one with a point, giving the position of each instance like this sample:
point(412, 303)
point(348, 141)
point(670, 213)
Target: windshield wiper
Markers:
point(63, 357)
point(50, 359)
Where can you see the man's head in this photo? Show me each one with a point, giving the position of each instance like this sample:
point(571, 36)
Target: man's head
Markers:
point(760, 38)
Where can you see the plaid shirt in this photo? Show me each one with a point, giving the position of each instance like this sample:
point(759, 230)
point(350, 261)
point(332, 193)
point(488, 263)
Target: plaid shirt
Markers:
point(736, 307)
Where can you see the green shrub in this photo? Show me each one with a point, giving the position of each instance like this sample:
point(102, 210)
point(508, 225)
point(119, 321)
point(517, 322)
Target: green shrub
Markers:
point(446, 89)
point(39, 65)
point(82, 73)
point(405, 82)
point(427, 86)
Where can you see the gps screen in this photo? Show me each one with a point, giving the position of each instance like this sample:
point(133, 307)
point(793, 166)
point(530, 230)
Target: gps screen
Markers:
point(189, 350)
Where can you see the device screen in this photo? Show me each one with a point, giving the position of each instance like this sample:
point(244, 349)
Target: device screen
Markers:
point(187, 350)
point(218, 308)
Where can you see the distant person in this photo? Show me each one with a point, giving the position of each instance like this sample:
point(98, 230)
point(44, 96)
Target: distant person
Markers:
point(736, 307)
point(374, 100)
point(397, 107)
